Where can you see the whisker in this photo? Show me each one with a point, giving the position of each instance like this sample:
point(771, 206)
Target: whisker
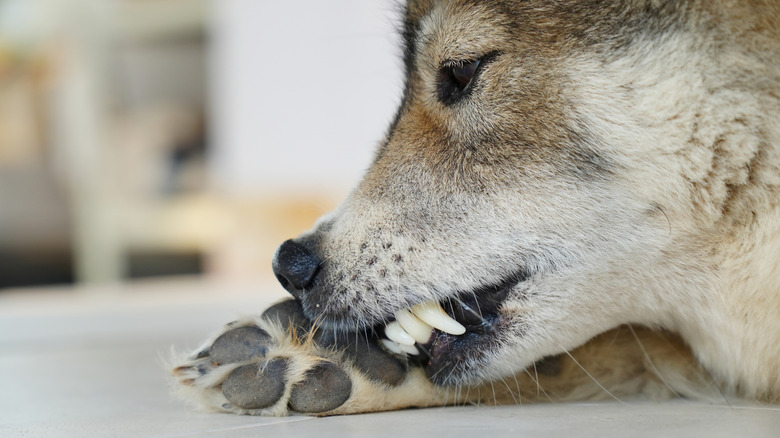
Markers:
point(468, 393)
point(652, 364)
point(593, 378)
point(479, 310)
point(477, 313)
point(538, 385)
point(511, 393)
point(536, 379)
point(357, 338)
point(718, 387)
point(424, 350)
point(713, 380)
point(519, 390)
point(368, 338)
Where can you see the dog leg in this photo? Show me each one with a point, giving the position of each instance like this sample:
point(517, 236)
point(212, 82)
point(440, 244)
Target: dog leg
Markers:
point(277, 364)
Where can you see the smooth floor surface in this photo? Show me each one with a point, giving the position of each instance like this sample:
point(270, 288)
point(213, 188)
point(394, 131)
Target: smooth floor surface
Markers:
point(90, 363)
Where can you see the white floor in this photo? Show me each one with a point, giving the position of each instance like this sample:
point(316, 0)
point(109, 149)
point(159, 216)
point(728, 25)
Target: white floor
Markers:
point(89, 363)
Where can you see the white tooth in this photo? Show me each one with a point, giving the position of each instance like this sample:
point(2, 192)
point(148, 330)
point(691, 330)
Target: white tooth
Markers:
point(409, 349)
point(432, 314)
point(392, 346)
point(420, 331)
point(396, 333)
point(397, 348)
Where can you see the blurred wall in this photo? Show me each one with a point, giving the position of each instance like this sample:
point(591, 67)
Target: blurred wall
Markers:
point(303, 91)
point(176, 137)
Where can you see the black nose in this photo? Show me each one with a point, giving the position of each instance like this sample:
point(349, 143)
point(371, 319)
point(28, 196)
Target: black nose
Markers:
point(295, 266)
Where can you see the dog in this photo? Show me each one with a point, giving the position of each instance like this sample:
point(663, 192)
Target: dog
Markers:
point(577, 199)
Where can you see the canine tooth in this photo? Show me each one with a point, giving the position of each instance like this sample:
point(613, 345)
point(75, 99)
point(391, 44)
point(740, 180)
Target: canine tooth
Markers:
point(409, 349)
point(432, 314)
point(397, 348)
point(420, 331)
point(392, 346)
point(396, 333)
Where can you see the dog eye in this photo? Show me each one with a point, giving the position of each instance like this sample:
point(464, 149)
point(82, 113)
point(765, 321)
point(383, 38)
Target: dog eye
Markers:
point(462, 74)
point(457, 78)
point(454, 80)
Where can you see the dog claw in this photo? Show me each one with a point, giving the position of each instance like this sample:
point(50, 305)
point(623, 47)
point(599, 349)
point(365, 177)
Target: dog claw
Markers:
point(182, 370)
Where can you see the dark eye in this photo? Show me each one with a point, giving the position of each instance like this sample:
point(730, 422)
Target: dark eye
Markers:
point(457, 78)
point(454, 80)
point(462, 74)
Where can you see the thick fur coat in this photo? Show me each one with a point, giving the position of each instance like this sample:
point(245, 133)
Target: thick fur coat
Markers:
point(599, 178)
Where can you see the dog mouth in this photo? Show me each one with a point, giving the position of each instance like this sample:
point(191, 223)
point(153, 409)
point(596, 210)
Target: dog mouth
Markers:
point(446, 337)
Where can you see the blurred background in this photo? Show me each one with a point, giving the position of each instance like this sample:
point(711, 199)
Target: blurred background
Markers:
point(158, 138)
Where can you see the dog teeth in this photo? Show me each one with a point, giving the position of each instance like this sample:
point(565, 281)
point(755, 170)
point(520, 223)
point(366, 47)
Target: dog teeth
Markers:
point(420, 331)
point(432, 314)
point(416, 325)
point(401, 349)
point(395, 333)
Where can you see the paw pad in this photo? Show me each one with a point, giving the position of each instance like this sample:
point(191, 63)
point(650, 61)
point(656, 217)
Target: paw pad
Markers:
point(324, 388)
point(375, 363)
point(289, 314)
point(276, 364)
point(256, 386)
point(240, 345)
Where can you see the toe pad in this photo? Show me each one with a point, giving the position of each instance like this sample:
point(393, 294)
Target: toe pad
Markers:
point(257, 385)
point(239, 345)
point(324, 388)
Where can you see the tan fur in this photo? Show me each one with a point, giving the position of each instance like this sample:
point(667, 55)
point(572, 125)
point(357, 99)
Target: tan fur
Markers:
point(625, 154)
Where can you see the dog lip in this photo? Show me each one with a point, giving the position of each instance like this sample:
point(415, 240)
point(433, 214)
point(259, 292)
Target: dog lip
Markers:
point(478, 311)
point(470, 307)
point(445, 355)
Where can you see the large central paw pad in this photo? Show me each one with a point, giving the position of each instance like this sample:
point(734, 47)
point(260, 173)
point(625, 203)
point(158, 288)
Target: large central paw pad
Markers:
point(276, 364)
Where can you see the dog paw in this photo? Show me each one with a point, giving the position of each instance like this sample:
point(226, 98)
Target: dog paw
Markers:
point(276, 364)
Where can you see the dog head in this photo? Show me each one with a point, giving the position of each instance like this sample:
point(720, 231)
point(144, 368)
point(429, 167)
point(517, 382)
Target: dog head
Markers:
point(527, 184)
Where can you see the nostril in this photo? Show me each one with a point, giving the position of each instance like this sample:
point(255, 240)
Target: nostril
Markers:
point(283, 281)
point(294, 265)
